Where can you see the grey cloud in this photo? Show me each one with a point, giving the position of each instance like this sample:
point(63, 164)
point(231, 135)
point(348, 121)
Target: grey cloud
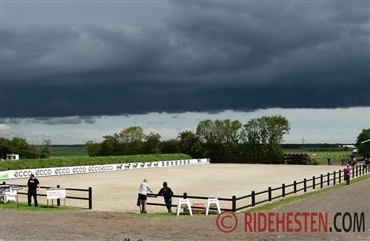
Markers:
point(239, 41)
point(203, 57)
point(70, 120)
point(177, 117)
point(26, 53)
point(156, 122)
point(11, 120)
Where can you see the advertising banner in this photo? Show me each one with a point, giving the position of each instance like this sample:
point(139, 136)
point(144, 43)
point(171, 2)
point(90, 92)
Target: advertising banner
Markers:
point(57, 171)
point(55, 193)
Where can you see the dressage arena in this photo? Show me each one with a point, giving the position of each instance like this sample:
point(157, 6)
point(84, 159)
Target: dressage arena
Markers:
point(117, 191)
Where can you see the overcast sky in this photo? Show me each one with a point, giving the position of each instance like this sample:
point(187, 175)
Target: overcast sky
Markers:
point(73, 71)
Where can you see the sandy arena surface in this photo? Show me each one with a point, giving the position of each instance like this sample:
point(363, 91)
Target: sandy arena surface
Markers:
point(117, 191)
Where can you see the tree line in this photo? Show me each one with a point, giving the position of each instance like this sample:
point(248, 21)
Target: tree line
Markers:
point(257, 141)
point(18, 145)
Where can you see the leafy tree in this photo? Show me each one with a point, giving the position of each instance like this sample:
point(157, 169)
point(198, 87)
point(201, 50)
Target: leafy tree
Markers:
point(131, 134)
point(190, 144)
point(230, 134)
point(110, 146)
point(93, 148)
point(231, 130)
point(131, 139)
point(363, 136)
point(277, 127)
point(251, 139)
point(20, 146)
point(263, 137)
point(4, 147)
point(152, 144)
point(206, 130)
point(220, 138)
point(45, 149)
point(170, 146)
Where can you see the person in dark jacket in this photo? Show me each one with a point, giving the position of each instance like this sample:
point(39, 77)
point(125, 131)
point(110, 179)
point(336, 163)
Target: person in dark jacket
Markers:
point(167, 194)
point(33, 185)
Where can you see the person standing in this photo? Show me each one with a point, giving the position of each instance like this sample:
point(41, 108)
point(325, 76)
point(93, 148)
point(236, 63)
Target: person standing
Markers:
point(144, 189)
point(367, 160)
point(33, 186)
point(347, 174)
point(328, 158)
point(167, 194)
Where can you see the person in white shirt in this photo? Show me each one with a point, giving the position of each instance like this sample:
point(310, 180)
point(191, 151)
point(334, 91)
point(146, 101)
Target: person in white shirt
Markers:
point(144, 189)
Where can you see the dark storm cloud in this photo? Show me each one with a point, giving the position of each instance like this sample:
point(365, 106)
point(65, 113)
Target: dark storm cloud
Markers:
point(204, 57)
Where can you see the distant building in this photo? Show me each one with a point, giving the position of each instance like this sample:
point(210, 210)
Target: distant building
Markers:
point(366, 147)
point(12, 156)
point(347, 146)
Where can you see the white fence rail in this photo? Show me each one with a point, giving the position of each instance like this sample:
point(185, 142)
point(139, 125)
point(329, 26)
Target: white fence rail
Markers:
point(58, 171)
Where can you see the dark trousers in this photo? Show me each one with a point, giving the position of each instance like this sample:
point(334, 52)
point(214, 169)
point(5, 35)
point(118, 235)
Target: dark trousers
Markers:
point(346, 178)
point(32, 193)
point(168, 204)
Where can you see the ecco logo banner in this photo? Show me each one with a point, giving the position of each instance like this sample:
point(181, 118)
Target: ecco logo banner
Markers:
point(60, 171)
point(57, 171)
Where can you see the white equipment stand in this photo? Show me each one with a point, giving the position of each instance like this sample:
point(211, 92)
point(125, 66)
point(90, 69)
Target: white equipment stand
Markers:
point(184, 202)
point(213, 202)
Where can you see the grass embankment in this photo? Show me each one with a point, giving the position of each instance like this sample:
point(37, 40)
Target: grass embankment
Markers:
point(83, 161)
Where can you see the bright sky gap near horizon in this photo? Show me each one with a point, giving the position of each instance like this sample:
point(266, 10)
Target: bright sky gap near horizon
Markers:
point(73, 71)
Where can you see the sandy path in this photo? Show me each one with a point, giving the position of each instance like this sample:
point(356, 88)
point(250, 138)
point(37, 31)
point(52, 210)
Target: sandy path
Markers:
point(117, 191)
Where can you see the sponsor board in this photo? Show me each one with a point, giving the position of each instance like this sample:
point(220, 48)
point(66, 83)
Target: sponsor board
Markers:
point(56, 193)
point(57, 171)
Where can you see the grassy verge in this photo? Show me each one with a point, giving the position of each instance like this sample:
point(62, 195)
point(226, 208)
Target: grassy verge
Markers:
point(41, 207)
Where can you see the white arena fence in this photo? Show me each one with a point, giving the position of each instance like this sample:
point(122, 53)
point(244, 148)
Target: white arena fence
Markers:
point(58, 171)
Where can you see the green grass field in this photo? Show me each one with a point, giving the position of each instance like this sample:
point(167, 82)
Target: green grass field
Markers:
point(68, 151)
point(321, 156)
